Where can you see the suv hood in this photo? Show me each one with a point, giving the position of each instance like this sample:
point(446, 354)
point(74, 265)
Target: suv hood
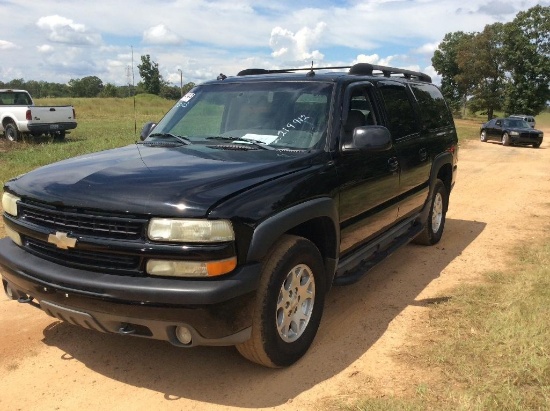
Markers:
point(179, 181)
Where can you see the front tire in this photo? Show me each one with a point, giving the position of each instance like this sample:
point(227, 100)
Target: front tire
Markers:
point(505, 139)
point(289, 303)
point(483, 136)
point(11, 132)
point(436, 219)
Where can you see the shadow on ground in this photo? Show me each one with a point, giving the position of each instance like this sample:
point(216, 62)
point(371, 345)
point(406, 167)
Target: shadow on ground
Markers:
point(355, 317)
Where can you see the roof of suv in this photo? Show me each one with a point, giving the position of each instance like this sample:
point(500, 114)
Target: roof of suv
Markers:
point(331, 73)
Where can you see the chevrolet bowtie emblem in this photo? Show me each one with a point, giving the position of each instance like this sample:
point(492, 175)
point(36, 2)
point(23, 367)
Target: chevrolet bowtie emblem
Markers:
point(61, 240)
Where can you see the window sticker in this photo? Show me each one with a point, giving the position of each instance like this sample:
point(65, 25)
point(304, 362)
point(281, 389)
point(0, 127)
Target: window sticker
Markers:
point(264, 138)
point(187, 97)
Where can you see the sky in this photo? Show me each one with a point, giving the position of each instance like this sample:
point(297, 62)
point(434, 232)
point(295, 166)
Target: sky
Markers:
point(195, 40)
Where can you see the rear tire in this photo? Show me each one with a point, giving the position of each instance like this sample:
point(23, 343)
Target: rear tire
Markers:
point(436, 219)
point(289, 303)
point(11, 133)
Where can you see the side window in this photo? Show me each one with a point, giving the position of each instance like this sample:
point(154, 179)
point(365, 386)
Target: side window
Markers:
point(360, 111)
point(401, 116)
point(434, 110)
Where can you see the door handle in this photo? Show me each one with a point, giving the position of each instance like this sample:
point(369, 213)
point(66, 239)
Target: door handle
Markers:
point(423, 153)
point(393, 164)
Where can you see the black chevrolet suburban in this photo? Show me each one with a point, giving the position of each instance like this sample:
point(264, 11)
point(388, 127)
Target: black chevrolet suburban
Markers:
point(230, 220)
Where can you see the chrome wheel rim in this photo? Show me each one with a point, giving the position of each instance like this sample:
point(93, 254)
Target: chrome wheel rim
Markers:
point(295, 303)
point(437, 212)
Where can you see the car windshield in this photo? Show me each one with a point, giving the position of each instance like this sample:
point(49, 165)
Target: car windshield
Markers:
point(516, 123)
point(278, 115)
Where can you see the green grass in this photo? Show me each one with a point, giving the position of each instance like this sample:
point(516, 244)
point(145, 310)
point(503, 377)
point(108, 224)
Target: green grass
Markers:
point(489, 343)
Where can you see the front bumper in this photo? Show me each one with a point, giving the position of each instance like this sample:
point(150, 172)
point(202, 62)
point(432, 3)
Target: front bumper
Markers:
point(526, 139)
point(216, 311)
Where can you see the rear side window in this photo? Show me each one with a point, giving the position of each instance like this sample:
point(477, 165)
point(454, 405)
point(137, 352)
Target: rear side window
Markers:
point(401, 117)
point(434, 112)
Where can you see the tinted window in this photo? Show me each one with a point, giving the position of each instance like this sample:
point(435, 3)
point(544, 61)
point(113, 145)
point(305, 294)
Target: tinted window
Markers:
point(282, 114)
point(401, 118)
point(434, 111)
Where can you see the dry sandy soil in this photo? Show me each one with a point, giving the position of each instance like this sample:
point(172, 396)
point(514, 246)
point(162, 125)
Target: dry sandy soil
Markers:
point(502, 199)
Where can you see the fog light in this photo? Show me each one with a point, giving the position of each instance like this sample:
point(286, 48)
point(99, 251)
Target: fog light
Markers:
point(183, 334)
point(14, 235)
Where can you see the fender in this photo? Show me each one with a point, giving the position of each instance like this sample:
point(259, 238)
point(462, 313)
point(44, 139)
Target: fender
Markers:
point(441, 160)
point(272, 228)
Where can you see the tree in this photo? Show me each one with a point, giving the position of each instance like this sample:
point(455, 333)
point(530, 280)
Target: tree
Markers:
point(149, 72)
point(445, 63)
point(527, 51)
point(482, 74)
point(109, 90)
point(507, 66)
point(89, 86)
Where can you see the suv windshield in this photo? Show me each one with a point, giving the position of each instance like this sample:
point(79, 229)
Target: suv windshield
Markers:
point(272, 114)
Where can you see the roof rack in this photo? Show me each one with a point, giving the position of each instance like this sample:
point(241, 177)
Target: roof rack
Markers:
point(356, 69)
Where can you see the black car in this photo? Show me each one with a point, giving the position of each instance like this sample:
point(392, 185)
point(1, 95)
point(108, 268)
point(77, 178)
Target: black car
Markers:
point(232, 218)
point(511, 131)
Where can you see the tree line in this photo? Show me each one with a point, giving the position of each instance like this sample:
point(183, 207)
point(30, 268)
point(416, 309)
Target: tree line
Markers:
point(92, 86)
point(506, 67)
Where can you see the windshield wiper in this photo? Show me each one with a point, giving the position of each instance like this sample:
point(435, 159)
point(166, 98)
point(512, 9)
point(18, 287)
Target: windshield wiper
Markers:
point(181, 139)
point(244, 141)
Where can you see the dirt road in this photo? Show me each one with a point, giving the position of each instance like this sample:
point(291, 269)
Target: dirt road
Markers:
point(502, 199)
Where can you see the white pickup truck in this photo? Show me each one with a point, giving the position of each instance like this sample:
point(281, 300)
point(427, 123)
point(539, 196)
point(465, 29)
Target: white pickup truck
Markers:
point(19, 116)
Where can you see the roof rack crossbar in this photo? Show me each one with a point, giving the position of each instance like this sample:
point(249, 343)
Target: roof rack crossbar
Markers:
point(368, 69)
point(357, 69)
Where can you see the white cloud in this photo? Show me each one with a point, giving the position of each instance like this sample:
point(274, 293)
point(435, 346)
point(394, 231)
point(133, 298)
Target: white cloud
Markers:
point(64, 30)
point(45, 48)
point(6, 45)
point(296, 47)
point(161, 34)
point(374, 59)
point(427, 49)
point(229, 35)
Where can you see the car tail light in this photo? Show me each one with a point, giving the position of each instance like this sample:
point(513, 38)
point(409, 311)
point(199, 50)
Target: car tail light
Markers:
point(28, 115)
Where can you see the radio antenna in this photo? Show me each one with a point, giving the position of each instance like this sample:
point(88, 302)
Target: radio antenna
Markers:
point(134, 94)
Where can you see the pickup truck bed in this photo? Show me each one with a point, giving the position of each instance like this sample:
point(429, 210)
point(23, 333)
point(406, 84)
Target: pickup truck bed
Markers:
point(19, 116)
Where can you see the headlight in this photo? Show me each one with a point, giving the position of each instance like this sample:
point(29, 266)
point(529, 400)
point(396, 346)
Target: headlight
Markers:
point(176, 268)
point(190, 230)
point(514, 133)
point(9, 203)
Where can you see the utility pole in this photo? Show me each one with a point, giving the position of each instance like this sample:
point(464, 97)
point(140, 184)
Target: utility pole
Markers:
point(181, 82)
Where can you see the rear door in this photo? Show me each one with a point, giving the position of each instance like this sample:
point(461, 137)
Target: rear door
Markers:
point(411, 144)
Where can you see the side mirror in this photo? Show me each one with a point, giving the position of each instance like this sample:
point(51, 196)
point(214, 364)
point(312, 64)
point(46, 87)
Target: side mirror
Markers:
point(369, 138)
point(146, 130)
